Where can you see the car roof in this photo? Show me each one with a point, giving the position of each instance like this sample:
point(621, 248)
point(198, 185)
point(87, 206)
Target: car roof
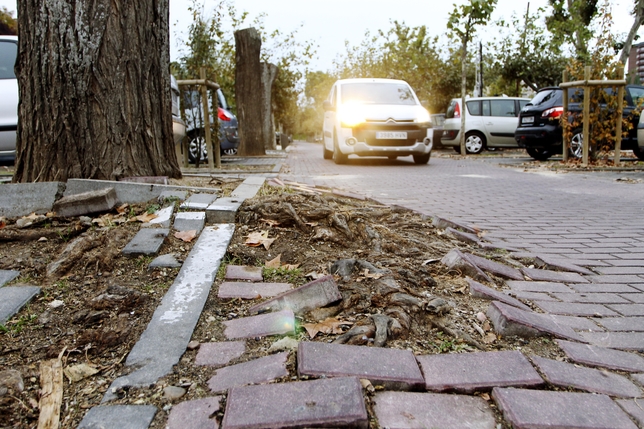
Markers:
point(369, 79)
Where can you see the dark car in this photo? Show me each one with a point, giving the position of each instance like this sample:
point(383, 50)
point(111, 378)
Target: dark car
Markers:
point(540, 131)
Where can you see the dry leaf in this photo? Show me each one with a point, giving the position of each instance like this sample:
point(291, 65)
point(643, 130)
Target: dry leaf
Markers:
point(78, 372)
point(146, 217)
point(270, 222)
point(3, 222)
point(122, 209)
point(274, 263)
point(33, 216)
point(330, 325)
point(369, 275)
point(256, 239)
point(290, 267)
point(485, 396)
point(489, 338)
point(186, 236)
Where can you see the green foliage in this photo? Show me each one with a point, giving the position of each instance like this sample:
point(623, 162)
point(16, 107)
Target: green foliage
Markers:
point(282, 275)
point(570, 23)
point(152, 208)
point(15, 327)
point(8, 24)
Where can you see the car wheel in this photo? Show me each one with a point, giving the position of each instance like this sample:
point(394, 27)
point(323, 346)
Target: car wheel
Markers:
point(231, 151)
point(474, 142)
point(639, 153)
point(577, 144)
point(422, 159)
point(539, 154)
point(338, 157)
point(196, 146)
point(327, 154)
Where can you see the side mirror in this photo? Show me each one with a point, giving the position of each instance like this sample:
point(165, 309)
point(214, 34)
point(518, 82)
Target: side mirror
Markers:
point(327, 106)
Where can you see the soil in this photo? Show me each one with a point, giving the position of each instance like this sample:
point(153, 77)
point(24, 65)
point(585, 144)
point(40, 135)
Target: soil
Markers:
point(94, 307)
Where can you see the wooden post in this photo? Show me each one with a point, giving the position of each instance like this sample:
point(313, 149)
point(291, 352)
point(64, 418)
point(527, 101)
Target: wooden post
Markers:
point(586, 130)
point(206, 119)
point(620, 109)
point(51, 398)
point(564, 119)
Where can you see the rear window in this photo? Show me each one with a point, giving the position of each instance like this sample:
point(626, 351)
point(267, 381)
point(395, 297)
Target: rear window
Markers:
point(8, 53)
point(474, 107)
point(451, 109)
point(377, 93)
point(549, 96)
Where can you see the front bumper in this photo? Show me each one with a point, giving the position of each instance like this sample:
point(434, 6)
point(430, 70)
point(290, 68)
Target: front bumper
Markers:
point(362, 140)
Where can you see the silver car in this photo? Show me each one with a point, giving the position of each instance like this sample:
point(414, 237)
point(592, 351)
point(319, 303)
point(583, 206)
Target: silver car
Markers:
point(9, 97)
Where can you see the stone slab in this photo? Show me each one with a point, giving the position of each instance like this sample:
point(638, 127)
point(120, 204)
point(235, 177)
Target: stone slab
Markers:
point(603, 288)
point(147, 241)
point(478, 290)
point(102, 200)
point(559, 264)
point(576, 323)
point(469, 372)
point(219, 354)
point(246, 290)
point(553, 276)
point(622, 323)
point(118, 417)
point(496, 268)
point(164, 261)
point(315, 294)
point(628, 309)
point(195, 414)
point(616, 340)
point(567, 375)
point(528, 409)
point(7, 275)
point(163, 219)
point(530, 286)
point(393, 368)
point(402, 410)
point(575, 309)
point(248, 188)
point(463, 236)
point(199, 201)
point(457, 260)
point(244, 272)
point(166, 337)
point(634, 407)
point(257, 371)
point(442, 223)
point(190, 221)
point(22, 199)
point(603, 357)
point(13, 298)
point(591, 298)
point(223, 210)
point(263, 325)
point(332, 402)
point(508, 320)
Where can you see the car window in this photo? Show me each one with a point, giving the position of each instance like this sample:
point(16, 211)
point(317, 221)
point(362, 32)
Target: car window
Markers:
point(504, 108)
point(637, 94)
point(548, 96)
point(377, 93)
point(450, 110)
point(474, 107)
point(8, 53)
point(486, 108)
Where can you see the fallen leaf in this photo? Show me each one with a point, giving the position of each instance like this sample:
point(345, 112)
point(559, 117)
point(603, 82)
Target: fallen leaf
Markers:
point(486, 326)
point(78, 372)
point(3, 222)
point(186, 236)
point(369, 275)
point(485, 396)
point(330, 325)
point(274, 263)
point(122, 208)
point(489, 338)
point(366, 384)
point(146, 217)
point(290, 267)
point(256, 239)
point(461, 289)
point(270, 222)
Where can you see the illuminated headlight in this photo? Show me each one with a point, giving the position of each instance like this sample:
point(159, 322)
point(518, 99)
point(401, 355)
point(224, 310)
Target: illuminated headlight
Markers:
point(351, 116)
point(422, 115)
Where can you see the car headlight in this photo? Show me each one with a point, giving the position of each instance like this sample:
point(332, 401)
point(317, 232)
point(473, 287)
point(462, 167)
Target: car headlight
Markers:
point(422, 116)
point(351, 116)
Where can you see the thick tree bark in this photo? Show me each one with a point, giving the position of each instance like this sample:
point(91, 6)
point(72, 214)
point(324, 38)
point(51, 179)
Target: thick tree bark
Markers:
point(94, 90)
point(269, 73)
point(248, 92)
point(638, 13)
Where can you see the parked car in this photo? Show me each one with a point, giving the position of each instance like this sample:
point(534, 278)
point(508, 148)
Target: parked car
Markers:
point(228, 125)
point(489, 123)
point(540, 131)
point(438, 121)
point(178, 126)
point(9, 97)
point(375, 117)
point(639, 152)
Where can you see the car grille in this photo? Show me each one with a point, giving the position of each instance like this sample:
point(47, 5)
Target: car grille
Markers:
point(367, 132)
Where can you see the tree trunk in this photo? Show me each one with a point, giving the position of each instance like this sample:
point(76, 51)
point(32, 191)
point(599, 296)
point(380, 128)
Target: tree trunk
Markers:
point(248, 92)
point(94, 90)
point(269, 73)
point(637, 23)
point(463, 92)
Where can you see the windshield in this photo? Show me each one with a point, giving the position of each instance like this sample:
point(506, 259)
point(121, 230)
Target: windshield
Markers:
point(548, 96)
point(377, 93)
point(8, 52)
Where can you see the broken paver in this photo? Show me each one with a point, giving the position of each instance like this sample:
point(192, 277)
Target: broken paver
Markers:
point(508, 320)
point(244, 272)
point(164, 261)
point(526, 409)
point(246, 290)
point(553, 276)
point(603, 357)
point(223, 210)
point(404, 410)
point(575, 309)
point(332, 402)
point(559, 264)
point(395, 369)
point(457, 260)
point(190, 221)
point(441, 223)
point(163, 219)
point(86, 203)
point(119, 417)
point(13, 298)
point(463, 236)
point(496, 268)
point(529, 286)
point(198, 201)
point(565, 374)
point(634, 408)
point(262, 370)
point(22, 199)
point(628, 309)
point(315, 294)
point(468, 372)
point(616, 340)
point(263, 325)
point(7, 275)
point(147, 241)
point(195, 414)
point(622, 323)
point(478, 290)
point(219, 354)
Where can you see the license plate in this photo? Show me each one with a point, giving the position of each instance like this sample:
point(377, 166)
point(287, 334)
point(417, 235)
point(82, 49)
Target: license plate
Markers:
point(527, 120)
point(392, 135)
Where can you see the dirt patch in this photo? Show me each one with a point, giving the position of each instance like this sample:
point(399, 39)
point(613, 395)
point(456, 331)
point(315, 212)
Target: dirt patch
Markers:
point(93, 309)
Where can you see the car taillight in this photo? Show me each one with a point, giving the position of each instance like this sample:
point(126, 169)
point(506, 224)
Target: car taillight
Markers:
point(457, 111)
point(553, 113)
point(223, 114)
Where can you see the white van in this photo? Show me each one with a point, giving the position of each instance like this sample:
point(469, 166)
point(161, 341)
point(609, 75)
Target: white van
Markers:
point(9, 97)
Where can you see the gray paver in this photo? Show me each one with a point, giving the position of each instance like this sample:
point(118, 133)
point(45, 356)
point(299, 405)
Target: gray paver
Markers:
point(223, 210)
point(219, 354)
point(638, 378)
point(591, 298)
point(246, 290)
point(249, 188)
point(615, 278)
point(404, 410)
point(318, 293)
point(163, 219)
point(468, 372)
point(463, 236)
point(256, 371)
point(85, 203)
point(244, 272)
point(628, 309)
point(616, 340)
point(529, 286)
point(119, 417)
point(637, 298)
point(333, 402)
point(13, 298)
point(7, 275)
point(621, 270)
point(478, 290)
point(603, 288)
point(622, 323)
point(189, 221)
point(164, 261)
point(22, 199)
point(457, 260)
point(553, 276)
point(634, 407)
point(601, 356)
point(575, 309)
point(496, 268)
point(528, 409)
point(147, 241)
point(576, 323)
point(553, 263)
point(198, 201)
point(593, 380)
point(195, 414)
point(395, 369)
point(263, 325)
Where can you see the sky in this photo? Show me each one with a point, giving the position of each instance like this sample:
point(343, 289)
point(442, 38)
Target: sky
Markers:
point(329, 23)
